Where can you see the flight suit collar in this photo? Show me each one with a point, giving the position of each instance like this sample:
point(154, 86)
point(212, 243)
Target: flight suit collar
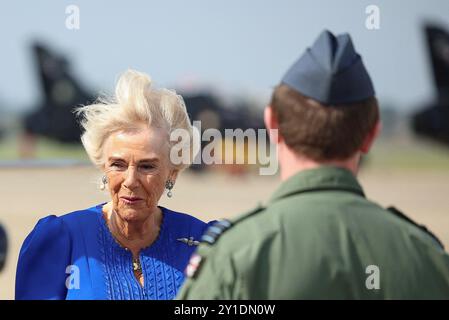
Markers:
point(318, 179)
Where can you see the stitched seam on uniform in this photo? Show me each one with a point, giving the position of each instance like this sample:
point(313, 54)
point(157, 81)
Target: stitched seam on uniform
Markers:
point(318, 189)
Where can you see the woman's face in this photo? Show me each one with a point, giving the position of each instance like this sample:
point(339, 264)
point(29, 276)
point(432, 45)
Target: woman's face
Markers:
point(137, 166)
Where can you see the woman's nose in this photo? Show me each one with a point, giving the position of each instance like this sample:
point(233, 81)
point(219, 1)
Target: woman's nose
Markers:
point(131, 178)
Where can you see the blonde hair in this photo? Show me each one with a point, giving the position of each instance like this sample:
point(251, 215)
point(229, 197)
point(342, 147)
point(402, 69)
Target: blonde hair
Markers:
point(135, 102)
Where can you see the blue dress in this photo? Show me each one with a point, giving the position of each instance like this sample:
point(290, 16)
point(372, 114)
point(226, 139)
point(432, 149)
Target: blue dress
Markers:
point(76, 257)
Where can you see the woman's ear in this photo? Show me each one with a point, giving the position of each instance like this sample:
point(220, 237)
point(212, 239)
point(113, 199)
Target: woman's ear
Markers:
point(271, 123)
point(173, 175)
point(371, 137)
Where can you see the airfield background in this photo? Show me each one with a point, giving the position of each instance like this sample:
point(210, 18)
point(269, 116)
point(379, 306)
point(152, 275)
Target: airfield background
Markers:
point(224, 57)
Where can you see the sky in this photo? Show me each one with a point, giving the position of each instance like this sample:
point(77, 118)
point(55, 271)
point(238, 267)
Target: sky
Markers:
point(239, 47)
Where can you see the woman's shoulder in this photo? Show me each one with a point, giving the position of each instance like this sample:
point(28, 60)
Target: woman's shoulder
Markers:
point(46, 229)
point(183, 221)
point(65, 222)
point(46, 253)
point(82, 216)
point(181, 216)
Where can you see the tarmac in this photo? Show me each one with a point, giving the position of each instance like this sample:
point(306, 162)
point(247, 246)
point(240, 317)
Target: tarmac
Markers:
point(30, 193)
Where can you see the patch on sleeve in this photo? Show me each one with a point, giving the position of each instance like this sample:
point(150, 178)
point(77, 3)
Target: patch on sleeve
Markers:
point(194, 265)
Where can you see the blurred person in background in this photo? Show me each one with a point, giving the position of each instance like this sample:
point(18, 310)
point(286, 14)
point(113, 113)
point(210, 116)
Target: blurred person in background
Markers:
point(129, 247)
point(319, 237)
point(3, 247)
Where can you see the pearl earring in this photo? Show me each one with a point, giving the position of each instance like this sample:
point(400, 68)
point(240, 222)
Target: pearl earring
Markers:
point(104, 181)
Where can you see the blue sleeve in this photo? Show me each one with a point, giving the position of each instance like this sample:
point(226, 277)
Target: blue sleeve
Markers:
point(43, 259)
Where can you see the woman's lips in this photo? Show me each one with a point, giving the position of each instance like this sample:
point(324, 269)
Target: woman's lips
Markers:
point(130, 200)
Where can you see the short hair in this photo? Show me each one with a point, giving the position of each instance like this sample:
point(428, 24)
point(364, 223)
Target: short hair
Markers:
point(135, 102)
point(322, 132)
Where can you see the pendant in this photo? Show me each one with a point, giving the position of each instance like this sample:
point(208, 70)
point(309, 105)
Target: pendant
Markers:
point(136, 265)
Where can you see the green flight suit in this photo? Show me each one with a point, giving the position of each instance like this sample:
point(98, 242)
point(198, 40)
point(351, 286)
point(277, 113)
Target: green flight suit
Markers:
point(319, 238)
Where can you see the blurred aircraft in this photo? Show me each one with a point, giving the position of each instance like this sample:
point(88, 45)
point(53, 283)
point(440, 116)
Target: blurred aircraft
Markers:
point(433, 121)
point(53, 117)
point(208, 109)
point(212, 113)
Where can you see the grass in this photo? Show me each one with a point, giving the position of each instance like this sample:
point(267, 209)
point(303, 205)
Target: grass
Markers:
point(45, 149)
point(407, 154)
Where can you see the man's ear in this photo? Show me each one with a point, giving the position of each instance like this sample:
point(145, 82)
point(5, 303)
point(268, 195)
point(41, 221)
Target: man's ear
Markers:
point(271, 123)
point(371, 137)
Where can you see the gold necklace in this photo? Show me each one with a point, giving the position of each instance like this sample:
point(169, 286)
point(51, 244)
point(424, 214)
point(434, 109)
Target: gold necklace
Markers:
point(137, 267)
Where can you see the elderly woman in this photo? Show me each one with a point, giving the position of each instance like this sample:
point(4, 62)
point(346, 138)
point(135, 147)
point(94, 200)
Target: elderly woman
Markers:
point(129, 247)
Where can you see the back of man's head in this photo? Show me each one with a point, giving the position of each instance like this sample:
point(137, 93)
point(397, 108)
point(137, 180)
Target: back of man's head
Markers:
point(325, 105)
point(322, 132)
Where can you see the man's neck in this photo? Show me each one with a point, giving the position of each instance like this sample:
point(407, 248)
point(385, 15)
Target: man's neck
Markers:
point(291, 163)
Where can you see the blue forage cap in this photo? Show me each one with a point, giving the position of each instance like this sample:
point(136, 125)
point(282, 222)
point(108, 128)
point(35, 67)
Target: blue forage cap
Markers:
point(331, 72)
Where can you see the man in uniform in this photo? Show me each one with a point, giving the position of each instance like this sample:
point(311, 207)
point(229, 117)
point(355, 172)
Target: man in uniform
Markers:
point(319, 237)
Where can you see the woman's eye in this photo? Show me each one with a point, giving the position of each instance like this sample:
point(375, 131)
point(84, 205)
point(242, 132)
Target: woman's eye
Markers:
point(117, 165)
point(147, 167)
